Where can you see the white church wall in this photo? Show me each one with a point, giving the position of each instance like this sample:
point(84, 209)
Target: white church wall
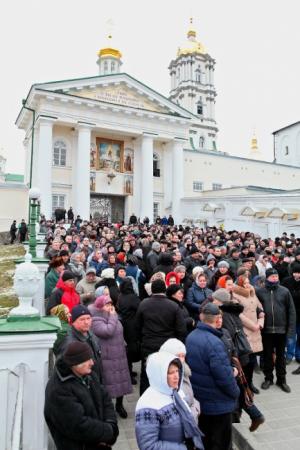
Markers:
point(14, 204)
point(210, 168)
point(287, 145)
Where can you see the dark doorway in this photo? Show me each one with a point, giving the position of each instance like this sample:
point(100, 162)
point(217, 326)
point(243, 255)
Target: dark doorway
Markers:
point(107, 208)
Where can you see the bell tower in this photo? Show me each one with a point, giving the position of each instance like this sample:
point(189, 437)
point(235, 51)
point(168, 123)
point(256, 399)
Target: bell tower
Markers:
point(192, 87)
point(109, 59)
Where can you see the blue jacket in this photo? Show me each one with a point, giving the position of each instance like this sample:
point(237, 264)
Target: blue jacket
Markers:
point(195, 297)
point(212, 378)
point(99, 266)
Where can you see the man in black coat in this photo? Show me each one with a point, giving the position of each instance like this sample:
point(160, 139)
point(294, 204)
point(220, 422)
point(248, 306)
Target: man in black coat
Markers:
point(293, 285)
point(80, 331)
point(78, 410)
point(280, 323)
point(13, 232)
point(157, 320)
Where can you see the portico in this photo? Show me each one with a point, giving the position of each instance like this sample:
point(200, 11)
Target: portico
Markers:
point(99, 136)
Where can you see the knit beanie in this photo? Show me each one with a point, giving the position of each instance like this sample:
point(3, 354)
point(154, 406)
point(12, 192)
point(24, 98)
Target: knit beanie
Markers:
point(158, 287)
point(173, 346)
point(172, 289)
point(68, 275)
point(102, 300)
point(78, 311)
point(77, 353)
point(221, 295)
point(223, 264)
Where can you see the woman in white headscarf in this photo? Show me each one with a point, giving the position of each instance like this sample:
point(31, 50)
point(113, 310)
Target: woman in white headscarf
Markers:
point(163, 420)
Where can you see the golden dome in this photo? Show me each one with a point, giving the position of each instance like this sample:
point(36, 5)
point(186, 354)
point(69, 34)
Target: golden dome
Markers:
point(110, 51)
point(254, 145)
point(191, 45)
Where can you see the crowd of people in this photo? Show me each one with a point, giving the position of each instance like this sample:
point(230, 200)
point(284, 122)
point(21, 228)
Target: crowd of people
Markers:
point(200, 309)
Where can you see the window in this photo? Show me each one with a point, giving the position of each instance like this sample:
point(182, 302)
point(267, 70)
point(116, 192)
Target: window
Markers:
point(156, 165)
point(201, 141)
point(59, 153)
point(155, 210)
point(286, 150)
point(58, 201)
point(216, 186)
point(197, 186)
point(200, 107)
point(105, 67)
point(198, 75)
point(113, 66)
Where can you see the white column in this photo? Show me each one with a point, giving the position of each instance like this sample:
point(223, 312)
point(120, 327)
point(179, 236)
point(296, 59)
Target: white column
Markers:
point(83, 172)
point(167, 174)
point(147, 178)
point(177, 191)
point(44, 166)
point(136, 203)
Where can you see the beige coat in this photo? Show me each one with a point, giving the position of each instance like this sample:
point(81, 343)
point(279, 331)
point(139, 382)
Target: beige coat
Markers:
point(250, 317)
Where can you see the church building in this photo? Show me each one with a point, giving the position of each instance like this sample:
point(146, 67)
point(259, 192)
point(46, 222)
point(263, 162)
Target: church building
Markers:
point(109, 145)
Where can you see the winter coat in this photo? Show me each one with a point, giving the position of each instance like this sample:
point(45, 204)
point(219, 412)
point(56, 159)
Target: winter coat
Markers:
point(190, 263)
point(51, 279)
point(158, 319)
point(251, 316)
point(189, 321)
point(98, 266)
point(84, 288)
point(63, 294)
point(278, 305)
point(128, 304)
point(234, 264)
point(109, 332)
point(294, 287)
point(151, 262)
point(188, 392)
point(212, 377)
point(79, 411)
point(195, 297)
point(157, 423)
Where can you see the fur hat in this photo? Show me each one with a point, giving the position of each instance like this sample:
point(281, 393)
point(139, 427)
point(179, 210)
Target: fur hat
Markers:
point(77, 353)
point(172, 289)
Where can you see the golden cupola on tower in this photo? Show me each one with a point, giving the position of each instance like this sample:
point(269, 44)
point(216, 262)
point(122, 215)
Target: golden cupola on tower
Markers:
point(191, 45)
point(109, 50)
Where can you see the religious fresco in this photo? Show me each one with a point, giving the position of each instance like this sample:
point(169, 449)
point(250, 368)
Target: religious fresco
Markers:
point(93, 155)
point(128, 160)
point(128, 185)
point(92, 181)
point(110, 155)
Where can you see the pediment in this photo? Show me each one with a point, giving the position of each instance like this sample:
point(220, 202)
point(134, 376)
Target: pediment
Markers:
point(120, 94)
point(118, 89)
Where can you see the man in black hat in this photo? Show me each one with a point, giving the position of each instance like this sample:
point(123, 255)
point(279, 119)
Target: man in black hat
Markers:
point(280, 322)
point(80, 331)
point(293, 285)
point(78, 410)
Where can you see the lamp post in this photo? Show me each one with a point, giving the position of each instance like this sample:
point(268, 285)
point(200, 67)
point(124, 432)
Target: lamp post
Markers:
point(34, 195)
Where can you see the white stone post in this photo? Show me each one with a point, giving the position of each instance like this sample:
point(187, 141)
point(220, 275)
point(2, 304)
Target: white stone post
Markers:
point(83, 172)
point(177, 191)
point(44, 165)
point(147, 178)
point(136, 179)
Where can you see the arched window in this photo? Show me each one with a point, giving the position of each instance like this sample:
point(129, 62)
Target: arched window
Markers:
point(105, 67)
point(200, 107)
point(201, 141)
point(156, 165)
point(59, 153)
point(198, 74)
point(113, 66)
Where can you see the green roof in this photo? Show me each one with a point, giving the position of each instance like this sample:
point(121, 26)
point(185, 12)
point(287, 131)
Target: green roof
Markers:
point(14, 177)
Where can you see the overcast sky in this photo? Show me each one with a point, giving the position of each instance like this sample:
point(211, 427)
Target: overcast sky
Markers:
point(255, 43)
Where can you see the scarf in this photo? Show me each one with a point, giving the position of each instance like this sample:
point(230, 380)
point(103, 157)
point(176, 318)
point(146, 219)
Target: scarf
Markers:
point(271, 285)
point(191, 431)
